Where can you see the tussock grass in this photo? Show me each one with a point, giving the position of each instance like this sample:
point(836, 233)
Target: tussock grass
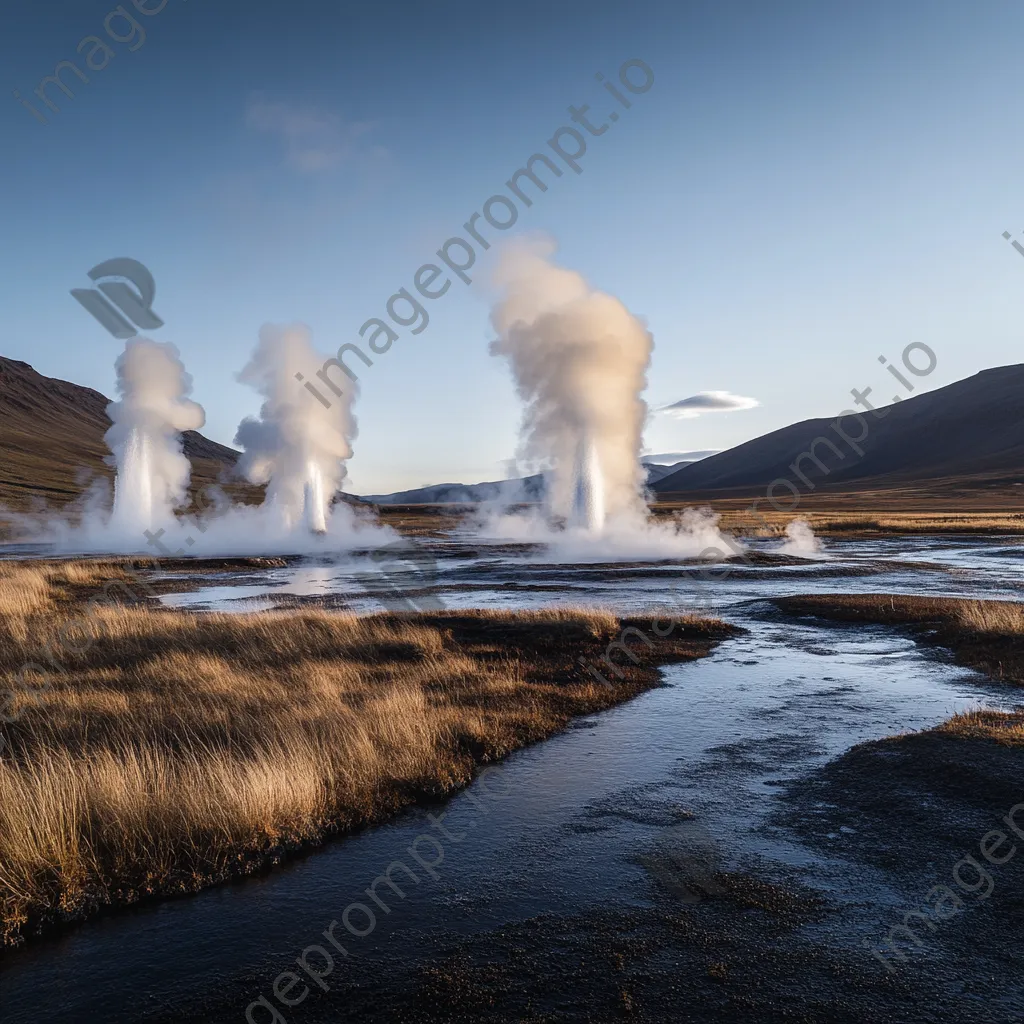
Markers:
point(168, 750)
point(920, 523)
point(1002, 618)
point(866, 520)
point(1005, 727)
point(844, 516)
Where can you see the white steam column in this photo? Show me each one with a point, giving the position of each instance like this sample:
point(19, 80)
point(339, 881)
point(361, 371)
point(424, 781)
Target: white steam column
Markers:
point(299, 444)
point(145, 438)
point(315, 507)
point(588, 489)
point(579, 359)
point(133, 486)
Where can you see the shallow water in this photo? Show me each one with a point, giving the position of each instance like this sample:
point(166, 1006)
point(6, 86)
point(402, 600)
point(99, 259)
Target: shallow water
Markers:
point(695, 763)
point(463, 575)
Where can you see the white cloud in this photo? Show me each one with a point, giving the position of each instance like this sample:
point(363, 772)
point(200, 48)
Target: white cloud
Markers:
point(708, 401)
point(314, 140)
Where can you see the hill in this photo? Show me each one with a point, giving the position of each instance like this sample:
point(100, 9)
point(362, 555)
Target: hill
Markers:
point(969, 434)
point(51, 440)
point(966, 439)
point(526, 489)
point(529, 488)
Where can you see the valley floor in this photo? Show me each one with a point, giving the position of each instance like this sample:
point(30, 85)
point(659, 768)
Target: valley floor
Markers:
point(151, 751)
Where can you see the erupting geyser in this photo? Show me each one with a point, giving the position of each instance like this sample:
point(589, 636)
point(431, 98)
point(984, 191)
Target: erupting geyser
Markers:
point(298, 446)
point(588, 489)
point(579, 359)
point(152, 472)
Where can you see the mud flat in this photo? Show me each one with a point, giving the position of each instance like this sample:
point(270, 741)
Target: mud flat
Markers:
point(940, 814)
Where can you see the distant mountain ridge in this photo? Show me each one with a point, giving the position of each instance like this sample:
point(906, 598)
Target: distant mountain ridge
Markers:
point(527, 488)
point(967, 435)
point(971, 431)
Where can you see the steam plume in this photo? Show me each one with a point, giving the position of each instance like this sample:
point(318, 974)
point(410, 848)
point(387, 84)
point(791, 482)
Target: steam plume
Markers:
point(152, 473)
point(297, 446)
point(800, 539)
point(579, 359)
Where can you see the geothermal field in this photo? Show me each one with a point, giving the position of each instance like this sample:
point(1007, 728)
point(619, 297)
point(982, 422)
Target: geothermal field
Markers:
point(746, 716)
point(533, 531)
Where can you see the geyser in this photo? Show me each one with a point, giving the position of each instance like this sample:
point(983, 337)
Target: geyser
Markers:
point(298, 446)
point(152, 472)
point(588, 489)
point(579, 359)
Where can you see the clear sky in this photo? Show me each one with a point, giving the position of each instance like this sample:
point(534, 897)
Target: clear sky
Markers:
point(804, 187)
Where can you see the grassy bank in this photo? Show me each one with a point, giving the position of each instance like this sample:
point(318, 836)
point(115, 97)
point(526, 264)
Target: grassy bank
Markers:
point(870, 517)
point(174, 750)
point(870, 522)
point(985, 635)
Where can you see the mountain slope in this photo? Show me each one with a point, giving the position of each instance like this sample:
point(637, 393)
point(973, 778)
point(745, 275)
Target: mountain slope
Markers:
point(51, 440)
point(970, 432)
point(967, 435)
point(527, 488)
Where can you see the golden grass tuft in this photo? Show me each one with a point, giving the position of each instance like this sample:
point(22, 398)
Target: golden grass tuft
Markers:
point(1006, 727)
point(1002, 618)
point(155, 751)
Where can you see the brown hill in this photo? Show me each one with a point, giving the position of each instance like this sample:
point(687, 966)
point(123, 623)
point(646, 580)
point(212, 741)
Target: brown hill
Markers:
point(966, 436)
point(51, 440)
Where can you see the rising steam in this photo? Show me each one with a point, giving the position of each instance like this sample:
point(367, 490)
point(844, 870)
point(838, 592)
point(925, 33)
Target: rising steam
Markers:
point(298, 446)
point(152, 472)
point(800, 540)
point(579, 359)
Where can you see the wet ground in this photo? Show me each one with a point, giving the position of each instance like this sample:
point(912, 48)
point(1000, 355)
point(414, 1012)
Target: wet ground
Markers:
point(708, 851)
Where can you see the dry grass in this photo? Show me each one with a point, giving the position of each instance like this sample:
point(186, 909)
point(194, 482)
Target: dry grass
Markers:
point(173, 749)
point(856, 516)
point(949, 506)
point(1005, 727)
point(919, 523)
point(862, 522)
point(1000, 618)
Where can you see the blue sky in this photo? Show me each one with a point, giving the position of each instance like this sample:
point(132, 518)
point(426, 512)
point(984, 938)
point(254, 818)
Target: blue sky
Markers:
point(805, 186)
